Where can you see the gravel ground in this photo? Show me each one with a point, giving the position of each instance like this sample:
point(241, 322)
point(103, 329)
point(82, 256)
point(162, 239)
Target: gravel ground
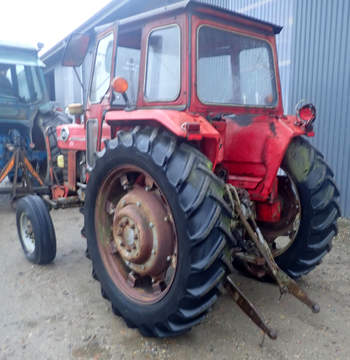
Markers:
point(57, 312)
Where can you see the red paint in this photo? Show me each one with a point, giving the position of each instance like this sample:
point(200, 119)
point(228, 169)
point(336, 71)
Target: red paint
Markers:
point(59, 191)
point(76, 140)
point(72, 170)
point(253, 153)
point(270, 210)
point(267, 212)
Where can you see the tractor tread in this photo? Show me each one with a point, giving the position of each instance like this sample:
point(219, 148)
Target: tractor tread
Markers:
point(322, 211)
point(191, 313)
point(206, 260)
point(210, 283)
point(317, 245)
point(188, 173)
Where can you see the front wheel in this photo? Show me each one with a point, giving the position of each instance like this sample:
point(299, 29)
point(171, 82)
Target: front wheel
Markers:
point(156, 231)
point(35, 230)
point(309, 211)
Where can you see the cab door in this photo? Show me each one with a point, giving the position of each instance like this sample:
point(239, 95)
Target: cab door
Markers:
point(100, 93)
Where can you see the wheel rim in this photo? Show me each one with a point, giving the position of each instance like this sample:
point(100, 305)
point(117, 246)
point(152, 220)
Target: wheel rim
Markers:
point(27, 233)
point(136, 235)
point(282, 235)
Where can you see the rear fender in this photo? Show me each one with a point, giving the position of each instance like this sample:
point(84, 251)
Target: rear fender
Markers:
point(179, 123)
point(254, 152)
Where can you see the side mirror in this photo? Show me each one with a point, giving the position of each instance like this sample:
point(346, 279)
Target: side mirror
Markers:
point(76, 50)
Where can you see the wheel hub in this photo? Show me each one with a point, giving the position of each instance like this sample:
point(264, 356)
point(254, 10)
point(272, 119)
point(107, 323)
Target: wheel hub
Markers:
point(139, 222)
point(132, 235)
point(27, 233)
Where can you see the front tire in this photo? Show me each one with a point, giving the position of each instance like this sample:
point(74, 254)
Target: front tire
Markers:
point(35, 230)
point(150, 164)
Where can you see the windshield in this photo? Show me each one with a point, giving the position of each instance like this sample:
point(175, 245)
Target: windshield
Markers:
point(21, 82)
point(234, 69)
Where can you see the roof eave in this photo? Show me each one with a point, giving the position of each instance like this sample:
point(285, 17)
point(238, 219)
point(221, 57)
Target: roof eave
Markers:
point(85, 27)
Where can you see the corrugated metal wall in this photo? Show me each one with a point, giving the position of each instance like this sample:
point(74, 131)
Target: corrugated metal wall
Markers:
point(321, 73)
point(314, 53)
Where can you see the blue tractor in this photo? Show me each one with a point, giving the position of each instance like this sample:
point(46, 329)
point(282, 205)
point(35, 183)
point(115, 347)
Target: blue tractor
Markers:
point(28, 122)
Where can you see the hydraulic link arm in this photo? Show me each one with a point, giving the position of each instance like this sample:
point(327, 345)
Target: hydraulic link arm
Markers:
point(285, 283)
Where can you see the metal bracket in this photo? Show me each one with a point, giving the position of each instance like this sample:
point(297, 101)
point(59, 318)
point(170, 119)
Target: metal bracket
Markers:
point(19, 160)
point(248, 308)
point(285, 283)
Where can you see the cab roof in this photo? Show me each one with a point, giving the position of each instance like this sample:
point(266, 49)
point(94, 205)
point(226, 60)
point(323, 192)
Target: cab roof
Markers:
point(210, 10)
point(15, 53)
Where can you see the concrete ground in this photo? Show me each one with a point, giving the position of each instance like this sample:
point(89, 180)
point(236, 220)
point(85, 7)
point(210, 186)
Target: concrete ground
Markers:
point(57, 312)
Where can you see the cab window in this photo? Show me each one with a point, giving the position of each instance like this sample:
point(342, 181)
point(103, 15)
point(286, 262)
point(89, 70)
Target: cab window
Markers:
point(163, 70)
point(128, 65)
point(234, 69)
point(102, 69)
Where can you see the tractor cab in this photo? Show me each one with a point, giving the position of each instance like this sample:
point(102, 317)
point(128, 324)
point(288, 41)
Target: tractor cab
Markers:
point(203, 73)
point(22, 85)
point(187, 56)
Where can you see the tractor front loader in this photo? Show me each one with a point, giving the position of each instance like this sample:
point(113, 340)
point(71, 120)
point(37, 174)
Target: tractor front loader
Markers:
point(192, 168)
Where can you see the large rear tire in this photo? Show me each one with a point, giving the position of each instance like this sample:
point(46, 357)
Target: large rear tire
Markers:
point(139, 171)
point(319, 210)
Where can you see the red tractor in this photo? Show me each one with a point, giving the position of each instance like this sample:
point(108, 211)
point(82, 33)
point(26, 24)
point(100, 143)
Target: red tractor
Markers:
point(188, 167)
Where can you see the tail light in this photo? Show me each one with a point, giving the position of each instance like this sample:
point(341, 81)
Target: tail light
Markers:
point(306, 115)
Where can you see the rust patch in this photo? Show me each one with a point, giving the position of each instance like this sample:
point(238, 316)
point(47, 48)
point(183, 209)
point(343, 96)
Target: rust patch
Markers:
point(273, 128)
point(241, 120)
